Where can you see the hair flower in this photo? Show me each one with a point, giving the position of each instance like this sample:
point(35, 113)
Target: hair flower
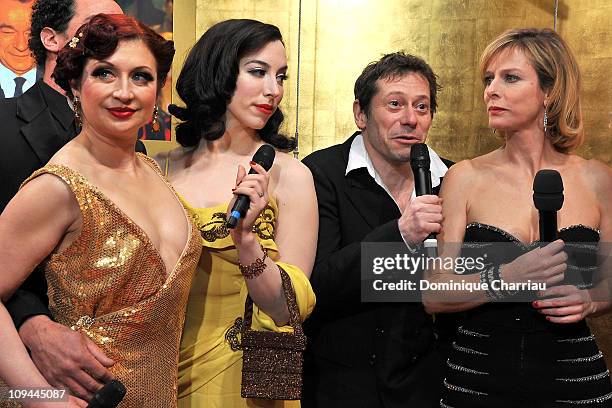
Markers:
point(75, 40)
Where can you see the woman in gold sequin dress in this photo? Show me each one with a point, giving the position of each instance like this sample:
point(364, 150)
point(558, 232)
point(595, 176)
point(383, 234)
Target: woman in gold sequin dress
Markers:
point(118, 247)
point(232, 83)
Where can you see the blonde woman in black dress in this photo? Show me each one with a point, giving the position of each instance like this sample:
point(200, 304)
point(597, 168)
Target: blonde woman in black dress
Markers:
point(538, 354)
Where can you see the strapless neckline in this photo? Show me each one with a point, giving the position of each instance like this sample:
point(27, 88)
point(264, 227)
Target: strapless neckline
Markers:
point(512, 238)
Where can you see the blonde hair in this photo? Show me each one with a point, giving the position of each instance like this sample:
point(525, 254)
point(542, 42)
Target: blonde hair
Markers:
point(559, 78)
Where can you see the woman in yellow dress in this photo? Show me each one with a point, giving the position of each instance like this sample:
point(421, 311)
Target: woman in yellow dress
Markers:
point(117, 246)
point(232, 83)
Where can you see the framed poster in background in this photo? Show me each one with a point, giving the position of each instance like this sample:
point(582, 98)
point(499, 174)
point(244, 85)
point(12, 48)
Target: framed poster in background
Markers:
point(157, 14)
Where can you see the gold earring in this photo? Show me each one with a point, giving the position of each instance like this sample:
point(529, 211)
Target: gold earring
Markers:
point(155, 122)
point(76, 102)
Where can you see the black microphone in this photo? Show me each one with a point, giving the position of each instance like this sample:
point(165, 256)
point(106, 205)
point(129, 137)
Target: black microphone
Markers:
point(108, 396)
point(419, 161)
point(548, 199)
point(264, 156)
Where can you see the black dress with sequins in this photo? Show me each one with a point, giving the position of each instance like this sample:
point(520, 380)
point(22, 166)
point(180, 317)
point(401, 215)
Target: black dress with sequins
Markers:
point(509, 355)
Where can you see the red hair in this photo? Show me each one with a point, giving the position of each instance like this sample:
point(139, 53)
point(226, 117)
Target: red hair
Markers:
point(98, 39)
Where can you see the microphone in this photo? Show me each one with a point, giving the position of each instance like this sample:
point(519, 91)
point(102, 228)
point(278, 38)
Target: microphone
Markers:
point(548, 199)
point(108, 396)
point(264, 156)
point(419, 161)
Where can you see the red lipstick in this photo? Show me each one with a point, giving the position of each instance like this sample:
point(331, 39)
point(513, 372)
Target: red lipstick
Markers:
point(265, 108)
point(121, 113)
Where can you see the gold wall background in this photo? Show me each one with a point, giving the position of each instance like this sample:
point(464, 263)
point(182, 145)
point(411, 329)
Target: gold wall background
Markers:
point(339, 37)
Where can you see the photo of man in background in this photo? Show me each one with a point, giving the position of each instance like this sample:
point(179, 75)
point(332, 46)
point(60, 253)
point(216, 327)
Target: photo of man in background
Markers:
point(17, 66)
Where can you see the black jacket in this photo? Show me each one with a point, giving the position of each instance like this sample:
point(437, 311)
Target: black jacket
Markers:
point(361, 354)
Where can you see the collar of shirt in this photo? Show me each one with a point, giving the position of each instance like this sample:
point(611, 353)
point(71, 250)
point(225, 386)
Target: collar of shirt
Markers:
point(7, 80)
point(359, 158)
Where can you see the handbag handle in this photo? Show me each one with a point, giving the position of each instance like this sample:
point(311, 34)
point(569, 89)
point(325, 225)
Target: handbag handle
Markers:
point(294, 314)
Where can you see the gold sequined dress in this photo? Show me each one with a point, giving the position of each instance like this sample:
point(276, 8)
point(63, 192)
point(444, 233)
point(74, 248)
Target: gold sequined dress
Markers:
point(110, 284)
point(209, 368)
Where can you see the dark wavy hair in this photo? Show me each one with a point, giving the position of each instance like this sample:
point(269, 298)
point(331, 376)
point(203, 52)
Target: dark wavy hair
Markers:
point(98, 39)
point(389, 66)
point(208, 80)
point(55, 14)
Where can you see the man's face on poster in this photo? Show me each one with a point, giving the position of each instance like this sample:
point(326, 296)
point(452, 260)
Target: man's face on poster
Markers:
point(14, 35)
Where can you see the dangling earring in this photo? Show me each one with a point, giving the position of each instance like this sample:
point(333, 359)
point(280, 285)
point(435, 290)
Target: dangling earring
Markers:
point(76, 103)
point(494, 131)
point(155, 122)
point(545, 121)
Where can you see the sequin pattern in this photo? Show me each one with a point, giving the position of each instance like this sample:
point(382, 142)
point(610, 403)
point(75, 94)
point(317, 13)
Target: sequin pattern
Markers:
point(110, 284)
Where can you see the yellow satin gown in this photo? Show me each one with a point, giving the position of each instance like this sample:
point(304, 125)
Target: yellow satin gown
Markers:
point(209, 370)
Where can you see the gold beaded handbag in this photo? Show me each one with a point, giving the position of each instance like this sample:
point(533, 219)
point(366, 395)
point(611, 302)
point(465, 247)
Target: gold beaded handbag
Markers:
point(272, 362)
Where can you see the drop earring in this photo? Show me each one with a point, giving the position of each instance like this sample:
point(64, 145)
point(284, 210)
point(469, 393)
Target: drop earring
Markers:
point(76, 104)
point(155, 122)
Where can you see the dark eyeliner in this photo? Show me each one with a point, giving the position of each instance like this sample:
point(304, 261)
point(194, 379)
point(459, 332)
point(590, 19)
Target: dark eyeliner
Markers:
point(145, 75)
point(257, 71)
point(100, 71)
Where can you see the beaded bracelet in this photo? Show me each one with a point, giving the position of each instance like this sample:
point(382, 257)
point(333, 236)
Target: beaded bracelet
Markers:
point(486, 278)
point(493, 274)
point(506, 292)
point(254, 269)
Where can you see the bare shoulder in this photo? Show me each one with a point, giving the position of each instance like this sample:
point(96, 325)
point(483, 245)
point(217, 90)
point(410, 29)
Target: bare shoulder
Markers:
point(47, 183)
point(41, 197)
point(293, 180)
point(597, 168)
point(467, 176)
point(291, 170)
point(597, 175)
point(460, 172)
point(456, 185)
point(47, 192)
point(72, 154)
point(53, 188)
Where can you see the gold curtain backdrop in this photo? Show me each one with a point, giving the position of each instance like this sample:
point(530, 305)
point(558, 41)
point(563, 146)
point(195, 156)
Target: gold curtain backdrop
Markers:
point(339, 37)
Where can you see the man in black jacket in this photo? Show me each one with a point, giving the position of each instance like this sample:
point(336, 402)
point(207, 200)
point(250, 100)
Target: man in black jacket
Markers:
point(34, 127)
point(374, 354)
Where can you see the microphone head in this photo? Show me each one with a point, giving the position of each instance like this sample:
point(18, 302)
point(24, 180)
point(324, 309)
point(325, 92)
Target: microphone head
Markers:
point(419, 156)
point(548, 190)
point(264, 156)
point(110, 395)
